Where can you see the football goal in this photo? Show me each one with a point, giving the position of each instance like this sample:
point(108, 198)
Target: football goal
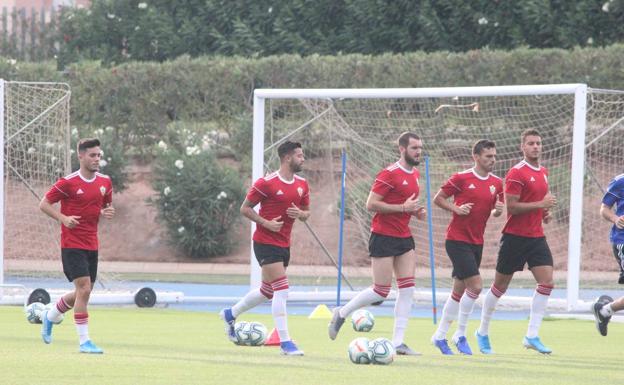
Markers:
point(582, 128)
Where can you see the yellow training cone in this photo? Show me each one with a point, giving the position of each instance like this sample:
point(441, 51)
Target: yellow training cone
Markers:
point(321, 312)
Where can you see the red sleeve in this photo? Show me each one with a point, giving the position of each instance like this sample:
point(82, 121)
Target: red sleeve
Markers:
point(258, 192)
point(108, 197)
point(499, 192)
point(452, 186)
point(514, 182)
point(305, 199)
point(383, 183)
point(59, 191)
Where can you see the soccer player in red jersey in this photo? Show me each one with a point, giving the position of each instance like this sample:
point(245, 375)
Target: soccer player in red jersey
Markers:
point(283, 197)
point(477, 194)
point(528, 201)
point(394, 199)
point(85, 195)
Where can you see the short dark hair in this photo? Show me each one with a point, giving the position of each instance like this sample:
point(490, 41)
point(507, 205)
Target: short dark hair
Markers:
point(287, 148)
point(529, 132)
point(405, 137)
point(482, 145)
point(87, 143)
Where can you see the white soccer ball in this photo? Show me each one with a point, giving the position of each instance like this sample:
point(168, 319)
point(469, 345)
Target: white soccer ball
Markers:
point(358, 351)
point(382, 351)
point(362, 320)
point(256, 334)
point(240, 333)
point(33, 312)
point(49, 307)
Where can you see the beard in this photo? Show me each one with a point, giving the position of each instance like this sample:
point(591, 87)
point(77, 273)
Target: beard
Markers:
point(411, 161)
point(295, 167)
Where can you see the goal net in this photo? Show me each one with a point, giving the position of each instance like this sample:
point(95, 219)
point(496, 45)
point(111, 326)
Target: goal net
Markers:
point(36, 154)
point(582, 135)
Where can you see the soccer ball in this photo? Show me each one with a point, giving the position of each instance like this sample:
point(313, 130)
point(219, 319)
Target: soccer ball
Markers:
point(382, 351)
point(33, 312)
point(49, 306)
point(362, 321)
point(358, 351)
point(239, 332)
point(256, 334)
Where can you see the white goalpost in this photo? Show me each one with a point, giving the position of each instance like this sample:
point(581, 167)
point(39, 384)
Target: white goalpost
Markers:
point(581, 126)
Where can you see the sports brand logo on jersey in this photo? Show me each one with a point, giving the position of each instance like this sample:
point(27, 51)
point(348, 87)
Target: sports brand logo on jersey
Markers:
point(279, 192)
point(299, 191)
point(405, 182)
point(472, 186)
point(492, 189)
point(79, 191)
point(103, 190)
point(532, 179)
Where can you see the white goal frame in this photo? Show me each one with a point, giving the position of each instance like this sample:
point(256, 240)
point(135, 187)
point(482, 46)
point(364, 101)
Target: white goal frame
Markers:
point(578, 147)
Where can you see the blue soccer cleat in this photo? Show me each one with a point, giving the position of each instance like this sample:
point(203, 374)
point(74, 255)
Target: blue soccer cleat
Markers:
point(90, 348)
point(46, 328)
point(443, 346)
point(228, 318)
point(288, 348)
point(484, 343)
point(535, 344)
point(462, 345)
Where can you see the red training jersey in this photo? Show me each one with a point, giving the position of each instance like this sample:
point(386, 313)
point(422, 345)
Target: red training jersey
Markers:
point(531, 184)
point(275, 195)
point(395, 184)
point(469, 187)
point(84, 198)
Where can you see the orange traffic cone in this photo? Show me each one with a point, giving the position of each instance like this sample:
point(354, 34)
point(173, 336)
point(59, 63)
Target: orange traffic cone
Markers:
point(273, 339)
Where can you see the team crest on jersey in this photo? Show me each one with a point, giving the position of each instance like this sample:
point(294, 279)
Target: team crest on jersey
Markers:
point(103, 190)
point(492, 189)
point(300, 191)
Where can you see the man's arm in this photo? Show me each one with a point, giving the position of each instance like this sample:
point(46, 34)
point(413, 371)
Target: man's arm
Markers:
point(607, 213)
point(69, 221)
point(441, 200)
point(515, 207)
point(248, 212)
point(302, 213)
point(376, 204)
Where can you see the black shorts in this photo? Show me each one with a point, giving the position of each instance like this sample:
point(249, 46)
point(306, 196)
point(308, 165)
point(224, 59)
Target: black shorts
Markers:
point(386, 246)
point(618, 252)
point(79, 263)
point(466, 258)
point(516, 251)
point(266, 254)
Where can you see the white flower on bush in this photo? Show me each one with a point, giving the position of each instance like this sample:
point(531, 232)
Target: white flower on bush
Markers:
point(109, 128)
point(179, 164)
point(590, 41)
point(74, 131)
point(137, 28)
point(181, 229)
point(102, 153)
point(167, 191)
point(192, 150)
point(142, 5)
point(222, 195)
point(99, 131)
point(162, 145)
point(103, 163)
point(110, 15)
point(605, 6)
point(53, 159)
point(31, 150)
point(12, 61)
point(482, 21)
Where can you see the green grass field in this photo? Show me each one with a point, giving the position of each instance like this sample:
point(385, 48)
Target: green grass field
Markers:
point(160, 346)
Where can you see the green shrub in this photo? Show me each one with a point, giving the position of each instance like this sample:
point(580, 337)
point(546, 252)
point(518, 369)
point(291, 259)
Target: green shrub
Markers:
point(198, 200)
